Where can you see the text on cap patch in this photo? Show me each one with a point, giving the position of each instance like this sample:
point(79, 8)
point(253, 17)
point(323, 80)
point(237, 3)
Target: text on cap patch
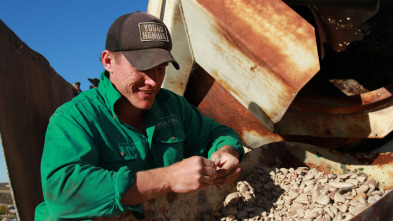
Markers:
point(152, 31)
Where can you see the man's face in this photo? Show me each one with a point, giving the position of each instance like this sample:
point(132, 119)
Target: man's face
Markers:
point(138, 87)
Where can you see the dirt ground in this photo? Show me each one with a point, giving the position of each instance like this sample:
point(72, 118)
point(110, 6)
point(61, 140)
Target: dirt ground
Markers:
point(5, 195)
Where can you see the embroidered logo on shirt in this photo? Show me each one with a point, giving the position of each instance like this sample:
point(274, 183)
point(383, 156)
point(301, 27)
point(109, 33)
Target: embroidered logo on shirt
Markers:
point(167, 121)
point(152, 31)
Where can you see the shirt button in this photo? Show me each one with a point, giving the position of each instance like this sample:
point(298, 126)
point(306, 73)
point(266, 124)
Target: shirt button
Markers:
point(122, 154)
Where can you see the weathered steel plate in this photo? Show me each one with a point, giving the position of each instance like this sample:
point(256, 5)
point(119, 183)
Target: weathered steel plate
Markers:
point(217, 103)
point(262, 52)
point(372, 117)
point(170, 13)
point(30, 91)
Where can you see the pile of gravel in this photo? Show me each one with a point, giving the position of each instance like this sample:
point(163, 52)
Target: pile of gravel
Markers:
point(298, 194)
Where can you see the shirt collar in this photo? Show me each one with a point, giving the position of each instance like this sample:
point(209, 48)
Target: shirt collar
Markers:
point(108, 91)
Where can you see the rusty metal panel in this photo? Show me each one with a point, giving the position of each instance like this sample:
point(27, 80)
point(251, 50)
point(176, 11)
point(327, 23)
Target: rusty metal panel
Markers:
point(155, 7)
point(341, 3)
point(225, 109)
point(30, 91)
point(170, 13)
point(262, 52)
point(374, 119)
point(219, 104)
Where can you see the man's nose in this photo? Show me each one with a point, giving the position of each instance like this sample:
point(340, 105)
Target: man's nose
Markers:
point(151, 77)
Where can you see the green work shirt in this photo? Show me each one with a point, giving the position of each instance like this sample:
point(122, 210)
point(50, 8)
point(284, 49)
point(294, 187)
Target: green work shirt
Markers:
point(90, 157)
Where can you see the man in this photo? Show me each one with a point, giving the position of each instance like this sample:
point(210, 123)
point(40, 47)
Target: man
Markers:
point(128, 141)
point(77, 88)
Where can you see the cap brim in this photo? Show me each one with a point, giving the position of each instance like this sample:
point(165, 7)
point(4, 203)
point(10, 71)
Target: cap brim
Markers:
point(149, 58)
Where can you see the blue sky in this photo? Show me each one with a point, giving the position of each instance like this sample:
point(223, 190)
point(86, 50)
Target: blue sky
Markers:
point(69, 34)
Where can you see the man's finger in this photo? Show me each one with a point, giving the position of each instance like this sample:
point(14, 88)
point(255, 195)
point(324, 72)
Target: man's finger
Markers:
point(216, 159)
point(209, 171)
point(207, 180)
point(222, 172)
point(204, 186)
point(225, 173)
point(229, 177)
point(227, 167)
point(208, 163)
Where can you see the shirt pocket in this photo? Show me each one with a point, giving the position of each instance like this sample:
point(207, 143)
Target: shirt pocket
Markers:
point(116, 155)
point(167, 147)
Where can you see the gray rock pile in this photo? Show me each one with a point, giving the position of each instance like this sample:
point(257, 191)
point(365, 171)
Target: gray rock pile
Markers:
point(298, 194)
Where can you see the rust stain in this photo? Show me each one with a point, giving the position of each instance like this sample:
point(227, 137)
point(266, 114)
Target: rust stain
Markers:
point(349, 87)
point(177, 16)
point(375, 96)
point(383, 159)
point(220, 105)
point(323, 167)
point(230, 89)
point(278, 30)
point(276, 85)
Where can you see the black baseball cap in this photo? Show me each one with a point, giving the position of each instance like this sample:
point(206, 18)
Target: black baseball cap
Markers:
point(143, 39)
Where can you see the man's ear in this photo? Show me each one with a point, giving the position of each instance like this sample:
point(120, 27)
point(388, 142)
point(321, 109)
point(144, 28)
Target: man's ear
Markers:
point(106, 60)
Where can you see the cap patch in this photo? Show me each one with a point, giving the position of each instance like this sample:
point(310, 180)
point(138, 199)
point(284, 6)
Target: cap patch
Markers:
point(153, 31)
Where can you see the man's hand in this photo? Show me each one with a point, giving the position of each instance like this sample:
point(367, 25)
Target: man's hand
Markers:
point(191, 174)
point(228, 166)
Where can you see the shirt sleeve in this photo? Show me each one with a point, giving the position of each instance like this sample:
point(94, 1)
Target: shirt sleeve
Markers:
point(204, 136)
point(73, 185)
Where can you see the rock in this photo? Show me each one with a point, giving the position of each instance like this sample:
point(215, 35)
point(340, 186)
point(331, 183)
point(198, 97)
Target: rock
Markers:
point(311, 214)
point(242, 215)
point(340, 184)
point(358, 197)
point(362, 189)
point(338, 198)
point(315, 194)
point(232, 198)
point(360, 207)
point(296, 207)
point(302, 199)
point(215, 214)
point(206, 217)
point(230, 218)
point(232, 211)
point(323, 200)
point(343, 208)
